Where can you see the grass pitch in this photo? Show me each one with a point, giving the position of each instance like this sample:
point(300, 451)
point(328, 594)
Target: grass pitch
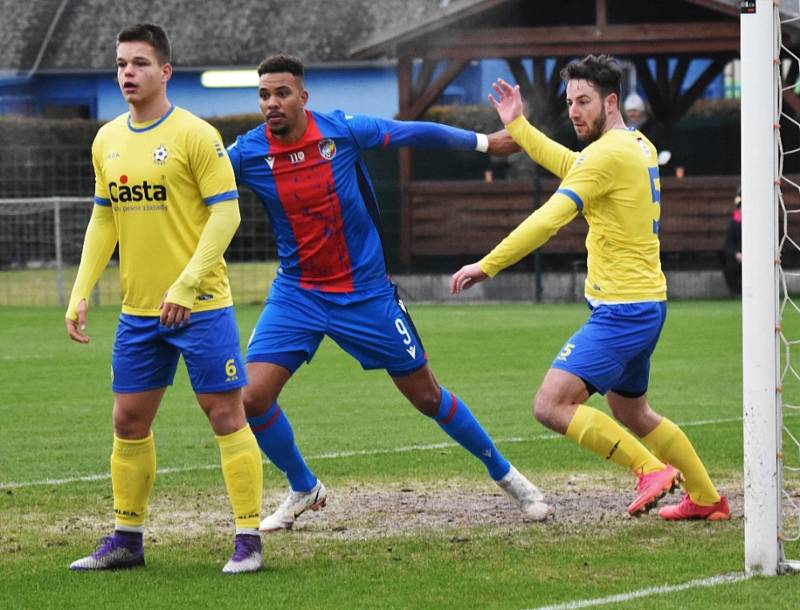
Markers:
point(412, 521)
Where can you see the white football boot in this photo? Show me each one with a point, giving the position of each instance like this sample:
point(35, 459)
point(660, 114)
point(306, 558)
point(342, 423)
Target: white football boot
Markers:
point(527, 496)
point(246, 555)
point(293, 506)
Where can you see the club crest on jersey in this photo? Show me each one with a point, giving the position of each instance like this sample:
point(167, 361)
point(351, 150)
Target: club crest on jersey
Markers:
point(327, 149)
point(160, 155)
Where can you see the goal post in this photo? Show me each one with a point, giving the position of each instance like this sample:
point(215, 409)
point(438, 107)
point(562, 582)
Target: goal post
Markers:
point(762, 161)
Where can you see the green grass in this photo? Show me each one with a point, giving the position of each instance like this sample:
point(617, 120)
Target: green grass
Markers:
point(44, 287)
point(56, 406)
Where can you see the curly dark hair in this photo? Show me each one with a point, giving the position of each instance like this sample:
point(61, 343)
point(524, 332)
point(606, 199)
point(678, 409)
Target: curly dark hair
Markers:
point(602, 71)
point(282, 63)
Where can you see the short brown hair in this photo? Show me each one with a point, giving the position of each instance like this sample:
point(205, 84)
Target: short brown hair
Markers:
point(152, 34)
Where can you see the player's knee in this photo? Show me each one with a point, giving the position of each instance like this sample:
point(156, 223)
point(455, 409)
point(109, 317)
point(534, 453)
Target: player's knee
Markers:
point(543, 409)
point(128, 425)
point(257, 402)
point(427, 403)
point(251, 402)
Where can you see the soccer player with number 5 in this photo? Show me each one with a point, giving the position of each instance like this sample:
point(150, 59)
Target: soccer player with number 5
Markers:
point(306, 168)
point(614, 183)
point(165, 192)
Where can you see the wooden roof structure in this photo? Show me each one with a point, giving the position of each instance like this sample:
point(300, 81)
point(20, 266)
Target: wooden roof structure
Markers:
point(659, 38)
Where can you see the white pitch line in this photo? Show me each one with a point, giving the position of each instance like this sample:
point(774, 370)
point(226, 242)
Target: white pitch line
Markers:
point(327, 456)
point(626, 597)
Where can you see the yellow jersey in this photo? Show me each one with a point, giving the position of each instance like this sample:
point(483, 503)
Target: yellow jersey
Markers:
point(614, 182)
point(159, 179)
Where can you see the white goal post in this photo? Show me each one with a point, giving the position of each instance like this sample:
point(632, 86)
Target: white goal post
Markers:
point(762, 338)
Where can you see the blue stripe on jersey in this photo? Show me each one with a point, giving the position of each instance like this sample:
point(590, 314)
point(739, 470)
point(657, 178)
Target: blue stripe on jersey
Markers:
point(154, 125)
point(574, 196)
point(226, 196)
point(100, 201)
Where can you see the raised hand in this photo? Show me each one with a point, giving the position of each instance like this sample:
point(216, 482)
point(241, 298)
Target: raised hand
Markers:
point(509, 102)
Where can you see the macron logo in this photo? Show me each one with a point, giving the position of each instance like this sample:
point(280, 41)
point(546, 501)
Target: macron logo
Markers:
point(270, 161)
point(412, 351)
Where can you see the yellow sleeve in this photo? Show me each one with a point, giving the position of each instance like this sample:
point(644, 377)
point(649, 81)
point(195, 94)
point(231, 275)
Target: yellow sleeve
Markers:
point(551, 155)
point(216, 235)
point(98, 246)
point(531, 233)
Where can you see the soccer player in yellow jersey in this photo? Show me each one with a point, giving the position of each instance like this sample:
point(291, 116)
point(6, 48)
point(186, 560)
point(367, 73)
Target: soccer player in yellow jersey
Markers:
point(166, 194)
point(614, 183)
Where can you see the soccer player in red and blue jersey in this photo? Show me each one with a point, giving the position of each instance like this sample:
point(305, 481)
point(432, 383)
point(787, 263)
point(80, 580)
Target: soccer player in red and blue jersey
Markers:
point(306, 168)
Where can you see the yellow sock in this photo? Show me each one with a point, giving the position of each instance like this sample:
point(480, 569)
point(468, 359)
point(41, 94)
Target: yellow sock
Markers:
point(133, 471)
point(596, 431)
point(241, 468)
point(670, 444)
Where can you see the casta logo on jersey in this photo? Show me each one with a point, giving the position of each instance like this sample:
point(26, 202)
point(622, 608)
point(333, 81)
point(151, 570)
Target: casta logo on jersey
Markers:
point(124, 192)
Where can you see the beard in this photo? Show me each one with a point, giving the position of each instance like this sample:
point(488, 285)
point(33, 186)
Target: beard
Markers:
point(595, 129)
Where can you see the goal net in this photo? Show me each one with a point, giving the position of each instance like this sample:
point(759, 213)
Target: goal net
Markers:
point(41, 239)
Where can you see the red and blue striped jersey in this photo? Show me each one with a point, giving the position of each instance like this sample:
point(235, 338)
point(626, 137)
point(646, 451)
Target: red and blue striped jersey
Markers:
point(319, 197)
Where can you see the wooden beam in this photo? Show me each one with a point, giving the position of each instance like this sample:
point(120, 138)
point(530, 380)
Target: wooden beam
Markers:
point(678, 75)
point(640, 39)
point(688, 98)
point(424, 77)
point(430, 95)
point(600, 13)
point(520, 75)
point(404, 84)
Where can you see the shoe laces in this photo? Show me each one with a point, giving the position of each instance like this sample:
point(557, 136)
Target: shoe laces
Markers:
point(245, 545)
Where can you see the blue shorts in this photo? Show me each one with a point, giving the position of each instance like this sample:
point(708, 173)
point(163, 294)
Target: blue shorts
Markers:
point(146, 353)
point(372, 326)
point(612, 350)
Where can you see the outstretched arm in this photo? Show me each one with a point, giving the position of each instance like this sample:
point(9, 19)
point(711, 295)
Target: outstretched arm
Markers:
point(374, 132)
point(533, 232)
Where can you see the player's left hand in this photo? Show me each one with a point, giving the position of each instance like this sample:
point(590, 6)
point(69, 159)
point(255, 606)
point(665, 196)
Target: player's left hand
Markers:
point(502, 144)
point(466, 277)
point(174, 315)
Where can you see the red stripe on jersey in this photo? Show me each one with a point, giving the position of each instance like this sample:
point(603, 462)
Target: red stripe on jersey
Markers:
point(452, 412)
point(385, 140)
point(307, 192)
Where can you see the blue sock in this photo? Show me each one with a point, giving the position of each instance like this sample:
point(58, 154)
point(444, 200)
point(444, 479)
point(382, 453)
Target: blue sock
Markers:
point(455, 418)
point(276, 439)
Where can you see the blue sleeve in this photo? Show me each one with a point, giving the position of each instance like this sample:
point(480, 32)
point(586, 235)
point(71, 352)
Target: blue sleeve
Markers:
point(372, 132)
point(235, 155)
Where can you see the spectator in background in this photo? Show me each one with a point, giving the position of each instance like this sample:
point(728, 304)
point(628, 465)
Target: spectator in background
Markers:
point(635, 112)
point(732, 251)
